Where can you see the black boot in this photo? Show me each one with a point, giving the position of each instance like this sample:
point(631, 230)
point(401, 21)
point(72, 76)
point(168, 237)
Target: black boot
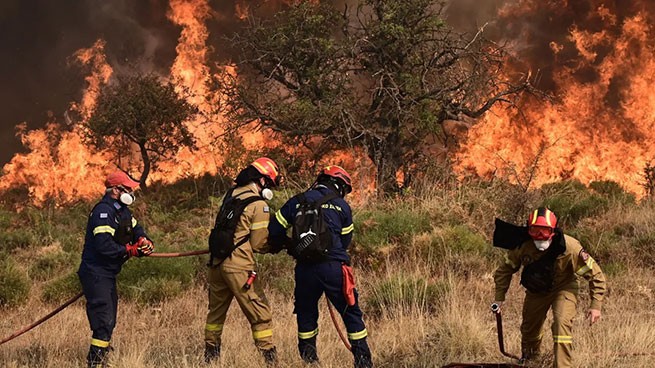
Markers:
point(97, 357)
point(212, 352)
point(270, 356)
point(307, 349)
point(361, 353)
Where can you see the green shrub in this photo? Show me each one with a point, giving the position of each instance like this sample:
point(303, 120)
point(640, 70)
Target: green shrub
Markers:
point(572, 201)
point(613, 191)
point(62, 288)
point(51, 264)
point(168, 277)
point(276, 271)
point(401, 293)
point(14, 283)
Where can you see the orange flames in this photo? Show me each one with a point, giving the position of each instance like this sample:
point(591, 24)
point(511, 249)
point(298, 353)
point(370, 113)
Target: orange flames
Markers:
point(600, 128)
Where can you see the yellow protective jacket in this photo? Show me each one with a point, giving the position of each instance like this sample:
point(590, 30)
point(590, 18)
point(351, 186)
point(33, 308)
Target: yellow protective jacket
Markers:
point(571, 264)
point(254, 225)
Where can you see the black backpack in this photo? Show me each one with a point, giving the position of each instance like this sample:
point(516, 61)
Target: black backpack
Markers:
point(221, 238)
point(538, 276)
point(312, 239)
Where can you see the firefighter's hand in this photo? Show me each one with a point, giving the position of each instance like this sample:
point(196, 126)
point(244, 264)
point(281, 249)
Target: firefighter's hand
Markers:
point(593, 315)
point(144, 246)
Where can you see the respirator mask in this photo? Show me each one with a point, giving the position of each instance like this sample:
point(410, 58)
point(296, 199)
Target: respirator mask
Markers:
point(126, 197)
point(542, 245)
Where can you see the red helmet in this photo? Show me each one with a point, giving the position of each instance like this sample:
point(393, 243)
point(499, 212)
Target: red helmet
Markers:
point(542, 223)
point(338, 172)
point(269, 169)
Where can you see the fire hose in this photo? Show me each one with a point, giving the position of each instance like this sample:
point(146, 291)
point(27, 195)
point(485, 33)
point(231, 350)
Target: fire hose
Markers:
point(336, 325)
point(495, 308)
point(79, 295)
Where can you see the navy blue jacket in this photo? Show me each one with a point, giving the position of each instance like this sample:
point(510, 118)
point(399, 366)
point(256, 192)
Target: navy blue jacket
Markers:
point(337, 215)
point(102, 254)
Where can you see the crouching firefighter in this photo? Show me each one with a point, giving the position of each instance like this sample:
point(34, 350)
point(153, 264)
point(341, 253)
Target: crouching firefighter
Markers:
point(241, 229)
point(552, 262)
point(322, 230)
point(112, 236)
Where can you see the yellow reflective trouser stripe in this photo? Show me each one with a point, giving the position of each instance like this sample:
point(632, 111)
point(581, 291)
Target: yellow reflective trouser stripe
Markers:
point(104, 229)
point(133, 222)
point(307, 335)
point(563, 339)
point(99, 343)
point(357, 335)
point(281, 219)
point(586, 268)
point(348, 230)
point(509, 261)
point(258, 335)
point(213, 327)
point(259, 225)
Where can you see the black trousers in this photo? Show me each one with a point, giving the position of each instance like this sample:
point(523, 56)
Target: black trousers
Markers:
point(101, 304)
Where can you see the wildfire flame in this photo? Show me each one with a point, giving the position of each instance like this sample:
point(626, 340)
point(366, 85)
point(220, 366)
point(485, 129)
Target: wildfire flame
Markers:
point(601, 127)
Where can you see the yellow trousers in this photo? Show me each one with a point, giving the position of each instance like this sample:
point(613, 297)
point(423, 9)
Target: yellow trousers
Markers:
point(535, 307)
point(223, 287)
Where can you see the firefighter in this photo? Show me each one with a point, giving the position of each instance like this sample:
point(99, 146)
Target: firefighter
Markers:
point(552, 263)
point(234, 276)
point(313, 278)
point(113, 235)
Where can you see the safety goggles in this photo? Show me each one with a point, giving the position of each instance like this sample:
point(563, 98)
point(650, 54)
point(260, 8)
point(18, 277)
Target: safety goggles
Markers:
point(124, 190)
point(540, 232)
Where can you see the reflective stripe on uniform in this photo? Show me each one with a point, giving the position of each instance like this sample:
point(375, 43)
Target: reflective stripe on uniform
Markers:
point(281, 219)
point(509, 261)
point(563, 339)
point(259, 225)
point(213, 327)
point(589, 264)
point(357, 335)
point(99, 343)
point(258, 335)
point(348, 230)
point(133, 222)
point(307, 335)
point(104, 229)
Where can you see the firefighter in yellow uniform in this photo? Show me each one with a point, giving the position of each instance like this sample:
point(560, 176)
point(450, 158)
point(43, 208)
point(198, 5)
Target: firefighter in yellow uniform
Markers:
point(235, 275)
point(552, 263)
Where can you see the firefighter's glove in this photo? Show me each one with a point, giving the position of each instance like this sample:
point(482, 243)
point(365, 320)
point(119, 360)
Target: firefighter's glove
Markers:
point(142, 247)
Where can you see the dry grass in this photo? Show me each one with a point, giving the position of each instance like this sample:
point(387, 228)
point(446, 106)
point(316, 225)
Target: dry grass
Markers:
point(460, 329)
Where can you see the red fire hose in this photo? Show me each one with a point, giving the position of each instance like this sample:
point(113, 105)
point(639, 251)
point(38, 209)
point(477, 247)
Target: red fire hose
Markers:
point(79, 295)
point(336, 325)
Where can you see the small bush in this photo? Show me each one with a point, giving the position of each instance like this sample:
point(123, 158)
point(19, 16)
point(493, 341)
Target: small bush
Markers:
point(51, 264)
point(572, 201)
point(62, 288)
point(167, 276)
point(14, 283)
point(401, 293)
point(613, 191)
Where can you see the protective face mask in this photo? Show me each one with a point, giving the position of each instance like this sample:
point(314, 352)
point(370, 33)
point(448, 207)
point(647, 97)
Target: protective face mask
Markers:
point(267, 194)
point(542, 245)
point(127, 198)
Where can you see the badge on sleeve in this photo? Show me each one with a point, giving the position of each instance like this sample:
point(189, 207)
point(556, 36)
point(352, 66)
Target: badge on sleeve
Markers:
point(103, 215)
point(584, 255)
point(266, 209)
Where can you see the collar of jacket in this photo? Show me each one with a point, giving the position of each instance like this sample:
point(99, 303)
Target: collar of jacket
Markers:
point(113, 202)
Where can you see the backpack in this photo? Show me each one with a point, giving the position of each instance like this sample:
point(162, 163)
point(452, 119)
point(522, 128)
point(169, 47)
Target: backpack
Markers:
point(312, 239)
point(221, 238)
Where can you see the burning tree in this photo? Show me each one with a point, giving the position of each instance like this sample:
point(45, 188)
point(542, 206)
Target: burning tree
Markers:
point(144, 111)
point(383, 78)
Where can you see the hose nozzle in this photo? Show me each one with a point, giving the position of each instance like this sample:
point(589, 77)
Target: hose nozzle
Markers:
point(495, 308)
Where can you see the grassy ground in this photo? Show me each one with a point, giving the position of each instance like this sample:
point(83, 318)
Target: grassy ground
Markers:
point(423, 264)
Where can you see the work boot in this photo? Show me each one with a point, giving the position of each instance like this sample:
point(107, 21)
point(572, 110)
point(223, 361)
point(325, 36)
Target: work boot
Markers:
point(270, 356)
point(361, 353)
point(212, 352)
point(307, 349)
point(97, 357)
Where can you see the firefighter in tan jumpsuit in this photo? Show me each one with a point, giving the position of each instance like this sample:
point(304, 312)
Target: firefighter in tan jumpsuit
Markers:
point(227, 278)
point(550, 284)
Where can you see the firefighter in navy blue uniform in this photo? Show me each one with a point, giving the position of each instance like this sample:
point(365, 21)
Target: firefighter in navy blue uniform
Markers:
point(314, 279)
point(112, 236)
